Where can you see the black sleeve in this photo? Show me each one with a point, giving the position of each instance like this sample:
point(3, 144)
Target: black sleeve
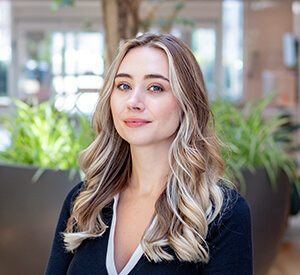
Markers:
point(230, 239)
point(59, 258)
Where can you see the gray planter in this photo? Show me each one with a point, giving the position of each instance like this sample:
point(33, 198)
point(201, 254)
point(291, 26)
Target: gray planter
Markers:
point(270, 210)
point(28, 216)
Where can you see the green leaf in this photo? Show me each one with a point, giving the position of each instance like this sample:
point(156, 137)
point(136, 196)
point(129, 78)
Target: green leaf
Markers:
point(44, 137)
point(255, 140)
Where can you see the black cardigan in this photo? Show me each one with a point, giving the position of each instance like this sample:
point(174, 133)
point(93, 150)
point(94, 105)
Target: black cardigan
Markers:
point(229, 239)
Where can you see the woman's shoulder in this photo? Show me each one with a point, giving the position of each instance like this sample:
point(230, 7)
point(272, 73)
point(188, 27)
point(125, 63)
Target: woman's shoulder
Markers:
point(230, 236)
point(235, 211)
point(71, 197)
point(235, 206)
point(74, 192)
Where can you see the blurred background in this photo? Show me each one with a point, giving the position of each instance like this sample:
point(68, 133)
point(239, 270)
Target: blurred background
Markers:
point(50, 48)
point(56, 52)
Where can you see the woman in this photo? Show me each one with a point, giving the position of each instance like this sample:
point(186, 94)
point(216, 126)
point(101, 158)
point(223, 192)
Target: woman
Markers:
point(153, 202)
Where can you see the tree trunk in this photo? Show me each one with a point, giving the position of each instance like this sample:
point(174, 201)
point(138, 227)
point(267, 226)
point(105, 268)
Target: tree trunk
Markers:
point(121, 22)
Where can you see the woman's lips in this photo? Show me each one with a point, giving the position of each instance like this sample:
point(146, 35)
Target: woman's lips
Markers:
point(136, 122)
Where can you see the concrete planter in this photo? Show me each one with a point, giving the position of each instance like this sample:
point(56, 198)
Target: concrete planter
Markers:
point(270, 210)
point(28, 214)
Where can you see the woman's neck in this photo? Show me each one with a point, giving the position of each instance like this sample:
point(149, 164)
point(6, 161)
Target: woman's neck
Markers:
point(150, 170)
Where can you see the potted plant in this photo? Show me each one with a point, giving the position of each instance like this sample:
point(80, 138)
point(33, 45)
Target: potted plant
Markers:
point(36, 171)
point(260, 160)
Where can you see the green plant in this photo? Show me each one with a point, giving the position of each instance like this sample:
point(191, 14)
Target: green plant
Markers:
point(254, 140)
point(44, 137)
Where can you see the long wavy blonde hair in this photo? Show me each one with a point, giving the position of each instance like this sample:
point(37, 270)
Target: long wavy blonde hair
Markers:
point(192, 198)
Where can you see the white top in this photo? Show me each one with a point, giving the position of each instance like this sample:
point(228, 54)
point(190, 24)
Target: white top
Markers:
point(110, 259)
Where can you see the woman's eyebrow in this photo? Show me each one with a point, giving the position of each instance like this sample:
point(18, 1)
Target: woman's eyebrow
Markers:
point(156, 76)
point(148, 76)
point(124, 75)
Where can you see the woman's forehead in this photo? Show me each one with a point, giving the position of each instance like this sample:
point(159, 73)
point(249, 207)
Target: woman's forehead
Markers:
point(144, 59)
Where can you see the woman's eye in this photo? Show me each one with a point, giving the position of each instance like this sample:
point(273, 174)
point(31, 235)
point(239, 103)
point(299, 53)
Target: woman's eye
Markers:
point(156, 89)
point(123, 86)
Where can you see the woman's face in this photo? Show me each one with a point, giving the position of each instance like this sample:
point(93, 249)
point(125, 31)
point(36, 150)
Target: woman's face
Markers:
point(144, 109)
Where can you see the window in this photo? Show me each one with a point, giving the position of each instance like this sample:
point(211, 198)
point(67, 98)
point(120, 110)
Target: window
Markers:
point(5, 49)
point(77, 69)
point(218, 47)
point(205, 39)
point(66, 65)
point(233, 50)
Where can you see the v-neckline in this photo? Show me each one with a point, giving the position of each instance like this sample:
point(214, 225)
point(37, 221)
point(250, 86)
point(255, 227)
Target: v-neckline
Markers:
point(110, 258)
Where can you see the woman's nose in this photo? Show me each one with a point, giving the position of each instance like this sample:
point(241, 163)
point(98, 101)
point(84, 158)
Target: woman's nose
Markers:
point(136, 100)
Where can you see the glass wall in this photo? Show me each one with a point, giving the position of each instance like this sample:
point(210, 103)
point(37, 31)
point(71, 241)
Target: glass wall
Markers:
point(204, 41)
point(218, 47)
point(233, 47)
point(5, 49)
point(66, 65)
point(77, 68)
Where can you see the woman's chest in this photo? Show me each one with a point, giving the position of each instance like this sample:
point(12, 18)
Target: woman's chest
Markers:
point(131, 223)
point(90, 259)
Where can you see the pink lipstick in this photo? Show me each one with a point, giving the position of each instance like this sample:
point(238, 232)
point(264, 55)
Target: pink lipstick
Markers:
point(136, 122)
